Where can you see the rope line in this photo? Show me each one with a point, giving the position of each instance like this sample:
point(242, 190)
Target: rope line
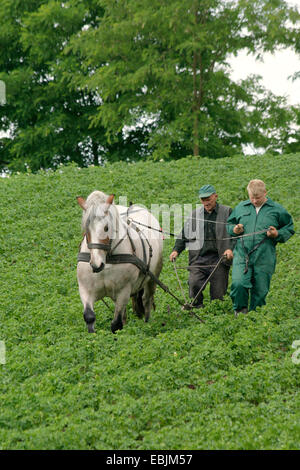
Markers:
point(179, 282)
point(194, 239)
point(202, 287)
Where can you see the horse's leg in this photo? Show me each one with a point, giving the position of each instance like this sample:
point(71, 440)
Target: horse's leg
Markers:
point(124, 315)
point(149, 290)
point(89, 317)
point(88, 308)
point(120, 309)
point(87, 295)
point(137, 303)
point(148, 298)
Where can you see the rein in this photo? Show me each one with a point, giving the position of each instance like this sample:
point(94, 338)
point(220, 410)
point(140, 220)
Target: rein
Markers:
point(204, 284)
point(208, 239)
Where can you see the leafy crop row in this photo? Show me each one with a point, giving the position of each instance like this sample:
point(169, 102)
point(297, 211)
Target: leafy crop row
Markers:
point(174, 383)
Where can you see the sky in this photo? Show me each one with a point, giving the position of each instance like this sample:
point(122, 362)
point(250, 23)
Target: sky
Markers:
point(275, 69)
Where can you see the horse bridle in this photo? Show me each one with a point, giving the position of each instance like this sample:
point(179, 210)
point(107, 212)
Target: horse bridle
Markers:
point(100, 246)
point(103, 246)
point(107, 246)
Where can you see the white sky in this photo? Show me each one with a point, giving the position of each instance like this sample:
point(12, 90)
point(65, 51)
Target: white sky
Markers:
point(275, 69)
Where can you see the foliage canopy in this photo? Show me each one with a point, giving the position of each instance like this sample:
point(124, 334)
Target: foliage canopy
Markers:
point(107, 80)
point(172, 383)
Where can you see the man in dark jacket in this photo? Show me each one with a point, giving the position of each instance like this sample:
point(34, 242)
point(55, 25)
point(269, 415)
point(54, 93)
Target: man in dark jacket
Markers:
point(255, 255)
point(204, 234)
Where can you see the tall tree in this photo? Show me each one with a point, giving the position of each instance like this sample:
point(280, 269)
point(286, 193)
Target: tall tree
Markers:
point(48, 121)
point(167, 61)
point(124, 79)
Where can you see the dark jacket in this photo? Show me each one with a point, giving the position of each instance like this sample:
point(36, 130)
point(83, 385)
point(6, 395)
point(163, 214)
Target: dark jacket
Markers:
point(192, 234)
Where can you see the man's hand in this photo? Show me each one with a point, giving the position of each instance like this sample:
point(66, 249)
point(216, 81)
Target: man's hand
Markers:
point(238, 229)
point(229, 254)
point(173, 255)
point(272, 232)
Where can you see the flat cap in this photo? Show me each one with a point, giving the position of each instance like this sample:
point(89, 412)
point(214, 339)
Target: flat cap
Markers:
point(206, 190)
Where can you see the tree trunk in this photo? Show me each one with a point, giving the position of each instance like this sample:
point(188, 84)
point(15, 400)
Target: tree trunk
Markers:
point(197, 85)
point(197, 98)
point(195, 109)
point(95, 152)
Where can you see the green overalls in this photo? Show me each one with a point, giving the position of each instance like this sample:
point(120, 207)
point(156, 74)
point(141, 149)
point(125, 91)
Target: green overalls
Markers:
point(255, 256)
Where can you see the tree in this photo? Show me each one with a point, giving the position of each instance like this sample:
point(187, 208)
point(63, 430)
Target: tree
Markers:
point(48, 121)
point(95, 80)
point(167, 60)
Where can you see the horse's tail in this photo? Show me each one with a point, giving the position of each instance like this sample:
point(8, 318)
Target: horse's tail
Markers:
point(137, 303)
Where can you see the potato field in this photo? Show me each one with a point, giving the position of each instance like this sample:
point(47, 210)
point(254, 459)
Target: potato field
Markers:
point(173, 383)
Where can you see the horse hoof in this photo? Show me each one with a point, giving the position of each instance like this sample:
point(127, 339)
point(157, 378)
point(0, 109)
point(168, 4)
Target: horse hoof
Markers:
point(90, 327)
point(116, 325)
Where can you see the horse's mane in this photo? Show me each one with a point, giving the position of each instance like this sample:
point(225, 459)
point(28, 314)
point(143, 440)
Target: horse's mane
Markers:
point(94, 207)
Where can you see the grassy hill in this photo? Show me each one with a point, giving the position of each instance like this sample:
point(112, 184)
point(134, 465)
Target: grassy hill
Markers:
point(173, 383)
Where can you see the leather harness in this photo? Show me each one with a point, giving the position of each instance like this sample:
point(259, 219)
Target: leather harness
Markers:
point(122, 258)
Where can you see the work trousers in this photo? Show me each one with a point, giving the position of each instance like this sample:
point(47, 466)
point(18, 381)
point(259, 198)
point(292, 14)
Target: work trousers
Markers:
point(199, 274)
point(255, 283)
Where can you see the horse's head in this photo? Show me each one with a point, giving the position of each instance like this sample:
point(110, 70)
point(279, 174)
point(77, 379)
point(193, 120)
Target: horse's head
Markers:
point(98, 225)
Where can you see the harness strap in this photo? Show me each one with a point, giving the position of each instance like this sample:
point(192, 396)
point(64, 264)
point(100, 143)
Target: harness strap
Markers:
point(123, 258)
point(99, 246)
point(133, 259)
point(139, 232)
point(117, 259)
point(84, 257)
point(144, 254)
point(119, 243)
point(144, 249)
point(131, 242)
point(127, 258)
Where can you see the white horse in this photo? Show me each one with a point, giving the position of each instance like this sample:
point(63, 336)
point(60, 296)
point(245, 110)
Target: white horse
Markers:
point(110, 235)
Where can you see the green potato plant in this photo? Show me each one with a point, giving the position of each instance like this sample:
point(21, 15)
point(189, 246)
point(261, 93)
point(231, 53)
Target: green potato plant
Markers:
point(173, 383)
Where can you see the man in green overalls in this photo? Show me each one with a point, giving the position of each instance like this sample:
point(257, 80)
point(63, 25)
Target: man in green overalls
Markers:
point(255, 256)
